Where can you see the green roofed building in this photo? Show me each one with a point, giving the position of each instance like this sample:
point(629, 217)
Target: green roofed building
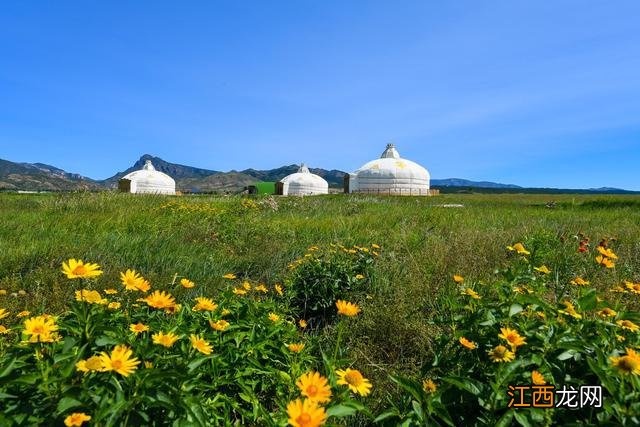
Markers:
point(262, 188)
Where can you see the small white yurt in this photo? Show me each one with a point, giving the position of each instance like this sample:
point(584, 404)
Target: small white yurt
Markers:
point(302, 183)
point(390, 174)
point(147, 181)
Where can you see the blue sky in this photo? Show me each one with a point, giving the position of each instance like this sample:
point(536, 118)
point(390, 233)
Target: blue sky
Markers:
point(531, 93)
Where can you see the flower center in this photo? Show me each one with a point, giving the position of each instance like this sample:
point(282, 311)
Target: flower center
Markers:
point(38, 329)
point(303, 419)
point(353, 378)
point(312, 390)
point(79, 270)
point(117, 364)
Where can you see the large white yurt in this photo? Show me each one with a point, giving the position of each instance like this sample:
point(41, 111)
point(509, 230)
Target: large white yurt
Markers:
point(147, 181)
point(390, 174)
point(302, 183)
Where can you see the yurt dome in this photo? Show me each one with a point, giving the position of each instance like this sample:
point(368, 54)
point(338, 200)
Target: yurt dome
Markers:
point(390, 174)
point(147, 181)
point(302, 183)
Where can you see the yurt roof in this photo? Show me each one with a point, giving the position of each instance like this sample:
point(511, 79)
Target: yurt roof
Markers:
point(304, 176)
point(149, 173)
point(391, 165)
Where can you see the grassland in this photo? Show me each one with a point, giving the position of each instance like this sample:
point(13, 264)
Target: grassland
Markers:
point(423, 244)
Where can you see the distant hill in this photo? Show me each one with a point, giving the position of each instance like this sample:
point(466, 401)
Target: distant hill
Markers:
point(43, 177)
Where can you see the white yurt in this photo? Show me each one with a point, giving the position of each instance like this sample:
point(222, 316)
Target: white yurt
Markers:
point(390, 174)
point(302, 183)
point(147, 181)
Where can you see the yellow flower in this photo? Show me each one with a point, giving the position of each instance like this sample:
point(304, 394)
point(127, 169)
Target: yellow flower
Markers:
point(542, 269)
point(429, 386)
point(375, 246)
point(94, 363)
point(163, 339)
point(347, 308)
point(114, 305)
point(627, 364)
point(512, 337)
point(537, 378)
point(467, 344)
point(131, 279)
point(220, 325)
point(186, 283)
point(570, 310)
point(359, 276)
point(76, 269)
point(458, 279)
point(3, 291)
point(239, 291)
point(143, 285)
point(302, 323)
point(296, 348)
point(23, 313)
point(148, 364)
point(76, 419)
point(204, 304)
point(110, 291)
point(41, 328)
point(604, 261)
point(607, 252)
point(229, 276)
point(501, 354)
point(473, 294)
point(617, 289)
point(261, 288)
point(200, 344)
point(3, 330)
point(246, 285)
point(160, 299)
point(620, 338)
point(138, 328)
point(119, 360)
point(92, 297)
point(633, 287)
point(354, 380)
point(541, 314)
point(274, 317)
point(628, 325)
point(579, 281)
point(306, 413)
point(519, 248)
point(225, 312)
point(314, 387)
point(278, 289)
point(607, 312)
point(3, 313)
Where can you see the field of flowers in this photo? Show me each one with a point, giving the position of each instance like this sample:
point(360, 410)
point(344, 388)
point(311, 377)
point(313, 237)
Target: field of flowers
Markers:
point(230, 311)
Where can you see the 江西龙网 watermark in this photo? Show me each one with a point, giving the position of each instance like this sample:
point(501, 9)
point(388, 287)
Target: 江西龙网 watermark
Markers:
point(548, 396)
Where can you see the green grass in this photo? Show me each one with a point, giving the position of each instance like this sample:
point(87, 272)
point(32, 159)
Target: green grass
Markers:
point(205, 237)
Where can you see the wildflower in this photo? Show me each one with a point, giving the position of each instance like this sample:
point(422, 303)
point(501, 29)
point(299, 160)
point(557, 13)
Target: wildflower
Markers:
point(148, 364)
point(3, 291)
point(261, 288)
point(173, 309)
point(354, 380)
point(620, 338)
point(186, 283)
point(473, 294)
point(501, 354)
point(94, 363)
point(542, 269)
point(628, 325)
point(225, 312)
point(519, 248)
point(359, 276)
point(119, 360)
point(220, 325)
point(200, 344)
point(541, 314)
point(314, 387)
point(633, 287)
point(92, 297)
point(110, 291)
point(306, 413)
point(458, 279)
point(76, 419)
point(41, 328)
point(274, 317)
point(3, 330)
point(347, 308)
point(296, 348)
point(239, 291)
point(138, 328)
point(160, 299)
point(605, 262)
point(467, 344)
point(204, 304)
point(618, 289)
point(537, 378)
point(302, 323)
point(163, 339)
point(278, 289)
point(607, 252)
point(229, 276)
point(512, 337)
point(607, 312)
point(143, 285)
point(429, 386)
point(76, 269)
point(114, 305)
point(579, 281)
point(374, 246)
point(627, 364)
point(131, 279)
point(570, 310)
point(3, 313)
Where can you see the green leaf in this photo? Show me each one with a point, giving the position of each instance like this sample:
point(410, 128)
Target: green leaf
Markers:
point(341, 411)
point(67, 403)
point(514, 309)
point(467, 384)
point(505, 420)
point(588, 301)
point(522, 418)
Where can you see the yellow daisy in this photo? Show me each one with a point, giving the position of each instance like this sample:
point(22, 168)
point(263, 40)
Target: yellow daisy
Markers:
point(41, 328)
point(306, 413)
point(219, 325)
point(627, 364)
point(76, 269)
point(131, 279)
point(347, 308)
point(519, 248)
point(628, 325)
point(429, 386)
point(119, 360)
point(354, 380)
point(205, 304)
point(138, 328)
point(467, 344)
point(160, 299)
point(200, 344)
point(512, 337)
point(501, 354)
point(537, 378)
point(186, 283)
point(314, 387)
point(166, 340)
point(76, 419)
point(296, 348)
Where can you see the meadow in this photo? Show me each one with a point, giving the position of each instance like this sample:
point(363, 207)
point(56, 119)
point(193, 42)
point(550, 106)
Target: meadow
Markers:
point(406, 252)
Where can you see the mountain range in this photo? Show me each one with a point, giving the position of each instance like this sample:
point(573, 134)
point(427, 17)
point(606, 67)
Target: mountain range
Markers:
point(43, 177)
